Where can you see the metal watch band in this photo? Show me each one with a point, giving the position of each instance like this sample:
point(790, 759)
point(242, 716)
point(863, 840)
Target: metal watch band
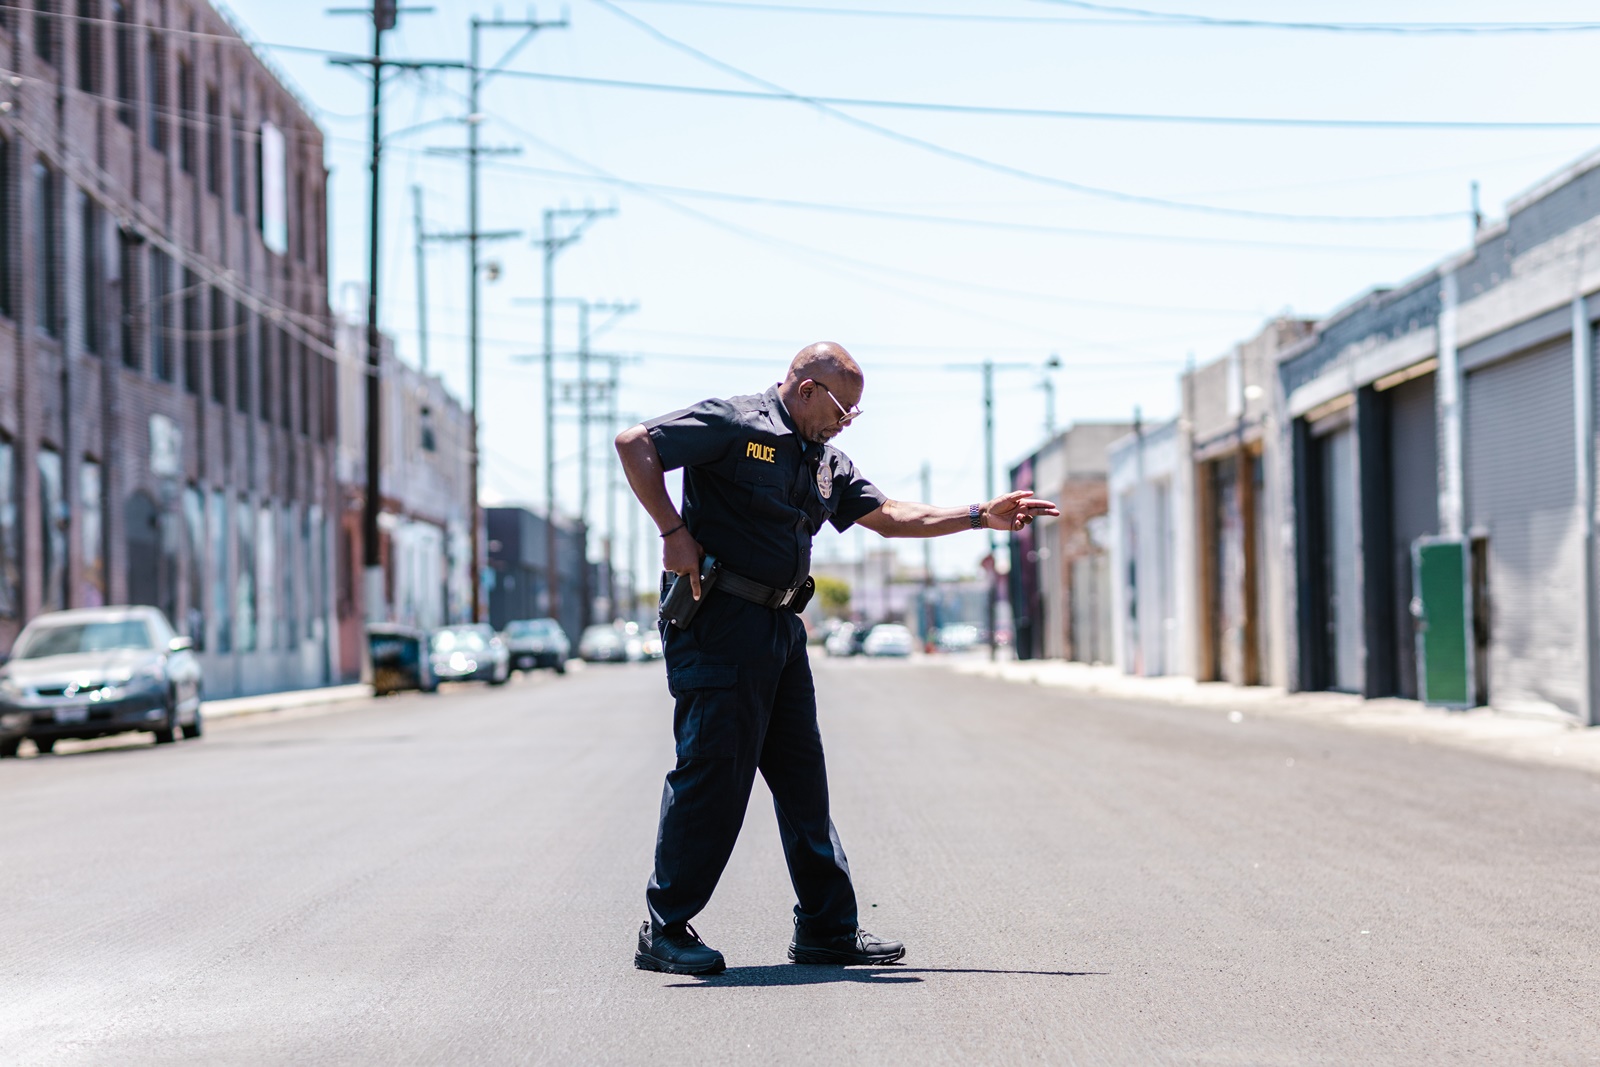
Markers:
point(975, 515)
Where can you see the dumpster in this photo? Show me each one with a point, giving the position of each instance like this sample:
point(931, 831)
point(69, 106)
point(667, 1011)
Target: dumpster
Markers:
point(399, 658)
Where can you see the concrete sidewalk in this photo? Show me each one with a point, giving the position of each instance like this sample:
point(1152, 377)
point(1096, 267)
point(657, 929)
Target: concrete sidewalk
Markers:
point(1532, 740)
point(291, 700)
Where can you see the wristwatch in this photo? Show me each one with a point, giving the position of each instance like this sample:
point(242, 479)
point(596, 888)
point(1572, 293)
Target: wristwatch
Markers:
point(975, 515)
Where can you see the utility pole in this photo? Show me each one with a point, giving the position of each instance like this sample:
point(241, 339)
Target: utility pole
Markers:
point(988, 489)
point(478, 77)
point(1048, 384)
point(585, 396)
point(552, 243)
point(927, 566)
point(988, 368)
point(384, 15)
point(422, 278)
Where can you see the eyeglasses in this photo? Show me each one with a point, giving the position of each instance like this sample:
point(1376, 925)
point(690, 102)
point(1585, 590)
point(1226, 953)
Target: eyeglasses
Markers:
point(845, 417)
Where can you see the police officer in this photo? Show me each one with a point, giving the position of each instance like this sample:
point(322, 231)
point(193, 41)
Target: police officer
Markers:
point(760, 479)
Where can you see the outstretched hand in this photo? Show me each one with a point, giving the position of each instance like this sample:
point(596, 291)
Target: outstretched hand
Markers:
point(1016, 509)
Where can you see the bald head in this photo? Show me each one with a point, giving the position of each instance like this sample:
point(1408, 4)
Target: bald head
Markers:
point(823, 381)
point(826, 362)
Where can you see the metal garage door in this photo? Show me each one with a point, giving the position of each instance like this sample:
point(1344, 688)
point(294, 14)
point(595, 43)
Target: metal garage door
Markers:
point(1343, 590)
point(1521, 486)
point(1413, 510)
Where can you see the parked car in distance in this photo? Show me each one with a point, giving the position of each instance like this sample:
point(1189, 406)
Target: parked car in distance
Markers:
point(535, 643)
point(957, 637)
point(469, 653)
point(888, 639)
point(604, 642)
point(844, 641)
point(94, 672)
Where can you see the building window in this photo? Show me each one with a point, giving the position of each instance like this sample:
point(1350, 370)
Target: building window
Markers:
point(264, 366)
point(236, 164)
point(186, 116)
point(156, 92)
point(330, 399)
point(162, 352)
point(221, 616)
point(221, 342)
point(44, 30)
point(266, 577)
point(241, 377)
point(47, 224)
point(244, 583)
point(429, 442)
point(10, 542)
point(125, 61)
point(193, 334)
point(93, 276)
point(289, 606)
point(213, 140)
point(53, 533)
point(91, 536)
point(300, 213)
point(193, 622)
point(8, 199)
point(132, 355)
point(88, 33)
point(303, 359)
point(285, 377)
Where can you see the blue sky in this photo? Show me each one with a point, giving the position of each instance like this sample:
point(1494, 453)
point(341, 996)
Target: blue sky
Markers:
point(994, 265)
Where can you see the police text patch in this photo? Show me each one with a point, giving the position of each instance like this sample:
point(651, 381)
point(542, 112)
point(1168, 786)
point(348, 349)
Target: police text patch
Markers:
point(765, 453)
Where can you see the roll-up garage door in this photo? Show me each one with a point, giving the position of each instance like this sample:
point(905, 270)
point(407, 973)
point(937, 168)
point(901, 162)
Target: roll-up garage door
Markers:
point(1521, 475)
point(1340, 582)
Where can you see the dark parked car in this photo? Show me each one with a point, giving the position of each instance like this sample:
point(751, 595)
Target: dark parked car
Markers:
point(535, 643)
point(605, 643)
point(92, 672)
point(470, 653)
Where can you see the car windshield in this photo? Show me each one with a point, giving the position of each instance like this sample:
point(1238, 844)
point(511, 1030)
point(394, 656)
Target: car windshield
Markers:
point(527, 628)
point(458, 641)
point(68, 639)
point(602, 635)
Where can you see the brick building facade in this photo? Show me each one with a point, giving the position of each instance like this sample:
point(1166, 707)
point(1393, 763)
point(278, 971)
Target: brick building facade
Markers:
point(166, 372)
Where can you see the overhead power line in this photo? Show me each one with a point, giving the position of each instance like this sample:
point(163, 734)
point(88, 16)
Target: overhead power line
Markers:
point(1002, 111)
point(1121, 16)
point(1007, 169)
point(1151, 17)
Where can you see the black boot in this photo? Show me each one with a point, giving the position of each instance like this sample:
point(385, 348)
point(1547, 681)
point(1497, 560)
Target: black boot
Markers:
point(843, 950)
point(677, 951)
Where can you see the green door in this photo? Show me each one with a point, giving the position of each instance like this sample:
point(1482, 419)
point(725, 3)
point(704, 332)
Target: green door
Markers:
point(1442, 584)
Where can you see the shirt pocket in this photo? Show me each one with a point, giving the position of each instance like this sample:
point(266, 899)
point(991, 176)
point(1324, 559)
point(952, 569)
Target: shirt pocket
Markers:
point(768, 485)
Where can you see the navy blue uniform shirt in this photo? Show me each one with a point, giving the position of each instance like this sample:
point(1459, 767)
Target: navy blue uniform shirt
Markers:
point(754, 491)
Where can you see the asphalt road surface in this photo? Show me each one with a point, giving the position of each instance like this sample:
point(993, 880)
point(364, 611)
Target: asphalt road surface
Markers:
point(458, 879)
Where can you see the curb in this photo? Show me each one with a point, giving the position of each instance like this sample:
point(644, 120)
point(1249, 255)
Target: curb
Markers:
point(294, 698)
point(1552, 742)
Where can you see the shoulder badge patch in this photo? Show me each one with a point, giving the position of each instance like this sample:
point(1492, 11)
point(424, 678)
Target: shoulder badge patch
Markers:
point(825, 478)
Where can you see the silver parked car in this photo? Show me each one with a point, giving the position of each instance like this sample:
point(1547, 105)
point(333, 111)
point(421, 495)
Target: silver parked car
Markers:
point(470, 653)
point(92, 672)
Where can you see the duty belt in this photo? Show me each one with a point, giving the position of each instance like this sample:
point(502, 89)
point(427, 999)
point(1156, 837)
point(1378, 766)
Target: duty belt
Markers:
point(765, 595)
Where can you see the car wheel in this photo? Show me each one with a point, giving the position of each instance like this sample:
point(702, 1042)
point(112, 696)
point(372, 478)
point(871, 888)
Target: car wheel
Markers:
point(561, 666)
point(197, 728)
point(8, 747)
point(172, 731)
point(45, 745)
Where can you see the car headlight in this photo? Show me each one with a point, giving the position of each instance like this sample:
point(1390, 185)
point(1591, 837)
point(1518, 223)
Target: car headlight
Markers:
point(10, 690)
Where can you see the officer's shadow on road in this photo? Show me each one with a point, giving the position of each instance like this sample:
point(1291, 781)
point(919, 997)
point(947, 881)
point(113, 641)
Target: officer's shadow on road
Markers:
point(786, 974)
